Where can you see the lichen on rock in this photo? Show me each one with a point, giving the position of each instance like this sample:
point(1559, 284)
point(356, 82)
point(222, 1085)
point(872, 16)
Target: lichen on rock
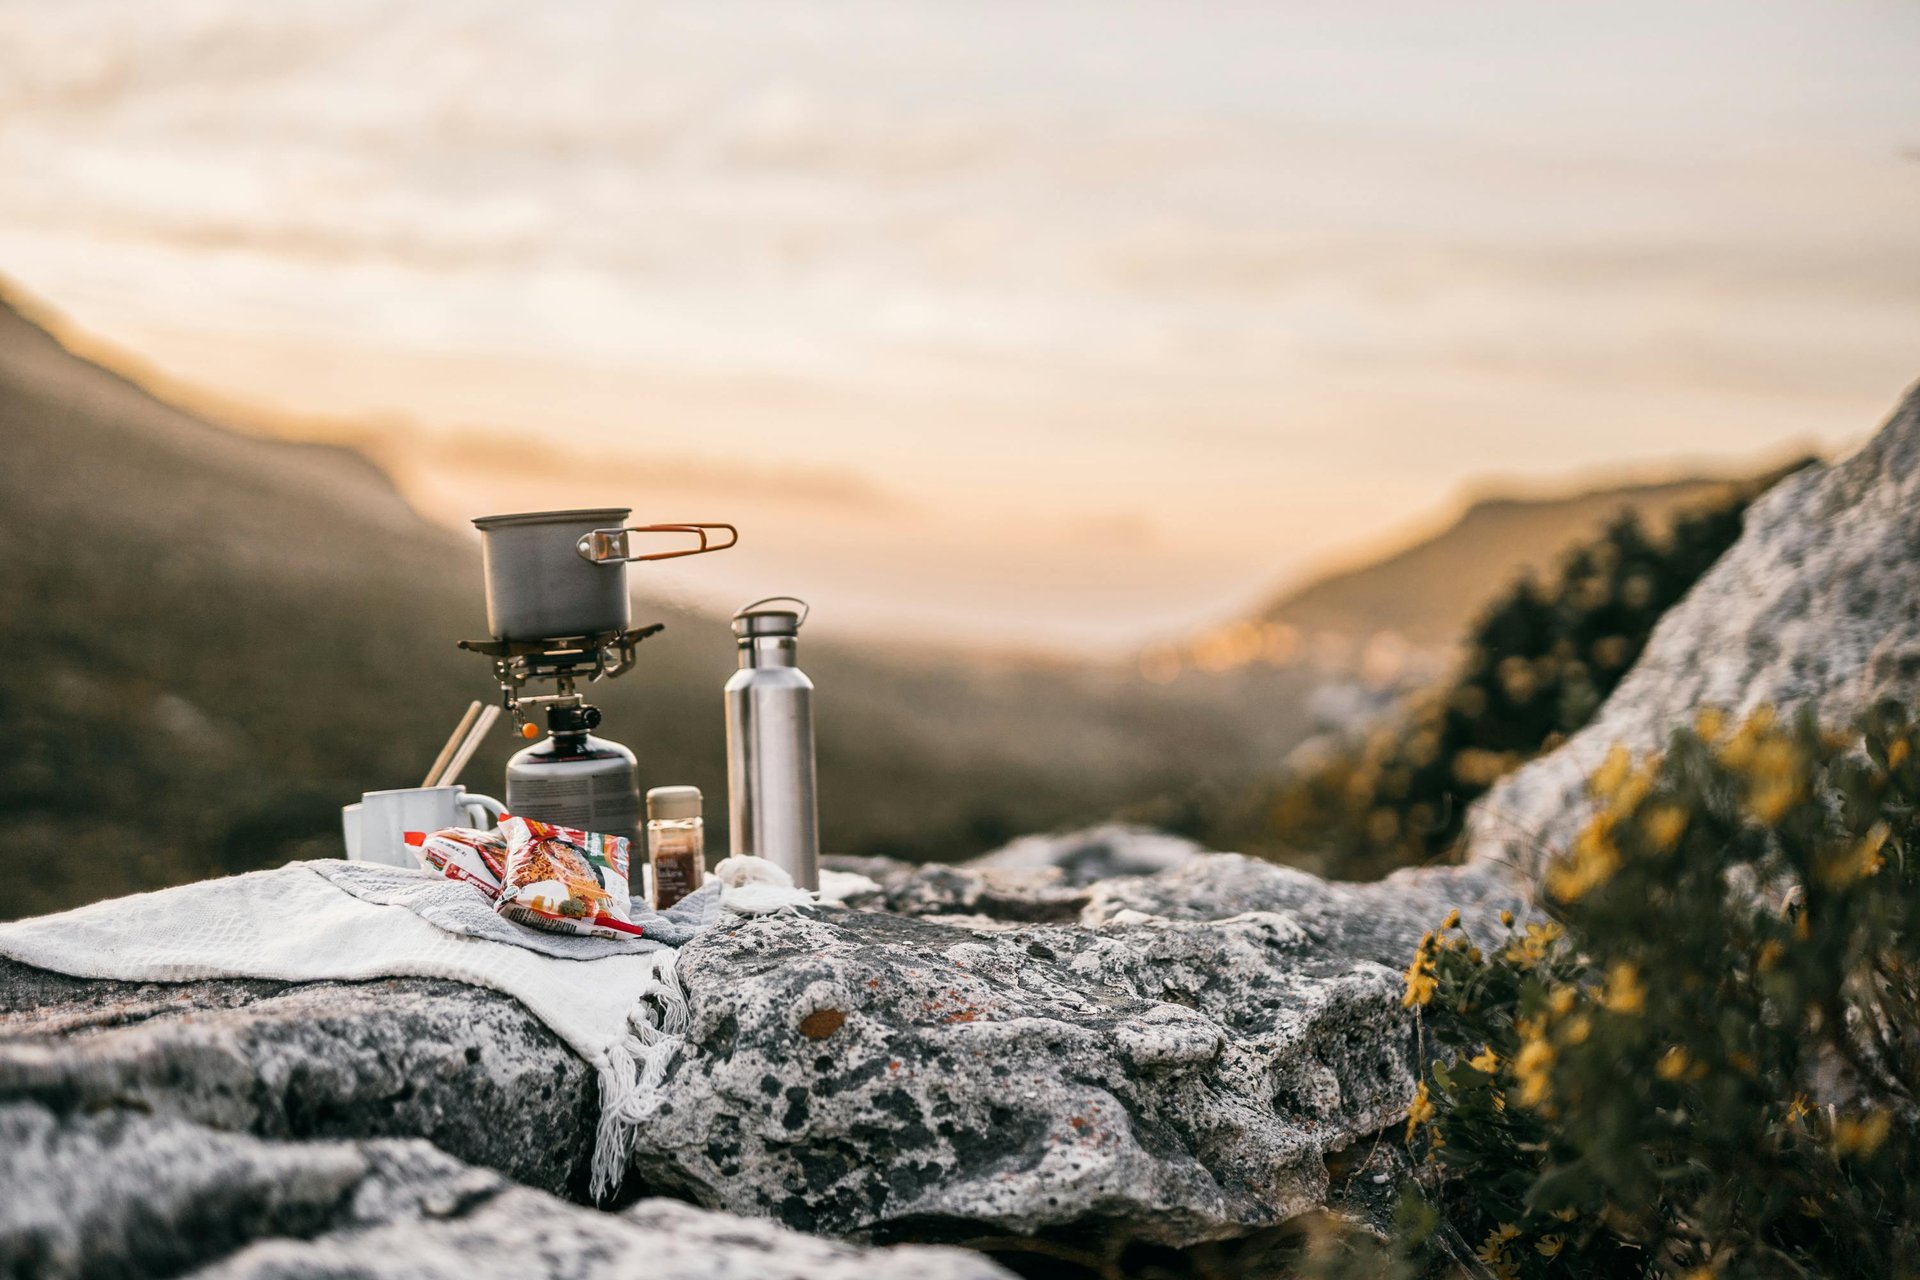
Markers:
point(1178, 1080)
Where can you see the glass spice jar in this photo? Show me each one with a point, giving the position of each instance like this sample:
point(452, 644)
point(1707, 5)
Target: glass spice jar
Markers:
point(676, 843)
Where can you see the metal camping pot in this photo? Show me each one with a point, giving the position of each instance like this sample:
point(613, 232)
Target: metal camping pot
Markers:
point(561, 574)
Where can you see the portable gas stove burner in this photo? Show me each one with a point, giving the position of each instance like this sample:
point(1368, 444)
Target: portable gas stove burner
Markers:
point(562, 660)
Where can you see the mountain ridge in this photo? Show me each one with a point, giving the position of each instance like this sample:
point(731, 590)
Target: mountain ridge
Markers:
point(1413, 591)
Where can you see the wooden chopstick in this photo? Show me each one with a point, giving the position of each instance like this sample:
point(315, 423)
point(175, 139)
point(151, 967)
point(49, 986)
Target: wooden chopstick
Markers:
point(467, 748)
point(459, 736)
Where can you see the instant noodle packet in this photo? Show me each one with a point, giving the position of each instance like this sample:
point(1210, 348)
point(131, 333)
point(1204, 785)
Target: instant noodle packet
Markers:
point(566, 881)
point(461, 853)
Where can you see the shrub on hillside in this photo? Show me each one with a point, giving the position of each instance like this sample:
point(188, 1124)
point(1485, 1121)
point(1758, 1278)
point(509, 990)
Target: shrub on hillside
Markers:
point(1539, 663)
point(1706, 1063)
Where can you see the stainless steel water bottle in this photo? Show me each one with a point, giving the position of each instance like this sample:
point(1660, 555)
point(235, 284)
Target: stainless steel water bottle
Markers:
point(772, 809)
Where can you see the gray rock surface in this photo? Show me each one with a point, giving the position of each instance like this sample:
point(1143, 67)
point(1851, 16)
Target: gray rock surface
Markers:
point(1030, 894)
point(1094, 854)
point(1179, 1069)
point(122, 1193)
point(468, 1069)
point(1815, 606)
point(1035, 878)
point(1198, 1056)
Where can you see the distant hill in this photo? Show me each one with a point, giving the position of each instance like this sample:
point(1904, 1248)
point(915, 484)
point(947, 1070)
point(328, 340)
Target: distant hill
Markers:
point(212, 641)
point(1430, 591)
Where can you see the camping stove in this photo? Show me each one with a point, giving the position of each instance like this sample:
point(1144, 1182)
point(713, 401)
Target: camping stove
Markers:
point(569, 777)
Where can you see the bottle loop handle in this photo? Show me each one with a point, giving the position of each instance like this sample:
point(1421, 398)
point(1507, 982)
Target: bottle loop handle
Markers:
point(746, 610)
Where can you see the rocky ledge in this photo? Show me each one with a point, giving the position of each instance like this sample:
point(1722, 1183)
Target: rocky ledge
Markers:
point(1199, 1056)
point(1180, 1065)
point(119, 1192)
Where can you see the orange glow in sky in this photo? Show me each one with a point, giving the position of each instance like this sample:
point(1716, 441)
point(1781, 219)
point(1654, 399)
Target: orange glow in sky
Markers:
point(1034, 322)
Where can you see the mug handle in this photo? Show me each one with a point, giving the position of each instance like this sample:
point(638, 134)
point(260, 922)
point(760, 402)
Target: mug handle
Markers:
point(486, 807)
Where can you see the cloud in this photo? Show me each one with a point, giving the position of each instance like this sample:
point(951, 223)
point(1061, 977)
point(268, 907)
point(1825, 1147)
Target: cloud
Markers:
point(543, 462)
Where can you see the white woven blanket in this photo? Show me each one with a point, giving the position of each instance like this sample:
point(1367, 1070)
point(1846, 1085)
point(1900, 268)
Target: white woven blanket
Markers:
point(624, 1013)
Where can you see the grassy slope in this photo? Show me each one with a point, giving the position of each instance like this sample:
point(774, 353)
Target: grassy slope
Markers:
point(211, 641)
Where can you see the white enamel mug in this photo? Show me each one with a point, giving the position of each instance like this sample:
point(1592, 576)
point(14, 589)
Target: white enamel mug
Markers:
point(375, 829)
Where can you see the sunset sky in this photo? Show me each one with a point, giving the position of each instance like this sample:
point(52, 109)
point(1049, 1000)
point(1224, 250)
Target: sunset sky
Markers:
point(1028, 322)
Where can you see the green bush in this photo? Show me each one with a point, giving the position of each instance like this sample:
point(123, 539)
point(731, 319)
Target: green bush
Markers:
point(1705, 1063)
point(1539, 663)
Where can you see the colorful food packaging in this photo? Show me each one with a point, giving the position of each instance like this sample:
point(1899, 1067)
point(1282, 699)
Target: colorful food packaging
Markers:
point(565, 881)
point(461, 853)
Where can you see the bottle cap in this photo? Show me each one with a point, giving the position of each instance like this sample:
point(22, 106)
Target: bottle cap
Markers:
point(766, 618)
point(669, 803)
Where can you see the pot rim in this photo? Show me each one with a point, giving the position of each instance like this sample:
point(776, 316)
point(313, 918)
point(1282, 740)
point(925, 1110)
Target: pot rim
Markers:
point(601, 516)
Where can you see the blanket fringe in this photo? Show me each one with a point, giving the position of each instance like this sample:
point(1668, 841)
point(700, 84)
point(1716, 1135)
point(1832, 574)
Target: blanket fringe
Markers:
point(636, 1066)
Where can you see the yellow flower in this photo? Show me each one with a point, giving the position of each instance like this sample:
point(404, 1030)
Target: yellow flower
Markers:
point(1533, 1069)
point(1420, 980)
point(1493, 1249)
point(1564, 1215)
point(1485, 1061)
point(1664, 825)
point(1776, 774)
point(1624, 993)
point(1863, 860)
point(1774, 799)
point(1798, 1107)
point(1672, 1064)
point(1590, 863)
point(1419, 1111)
point(1860, 1135)
point(1506, 918)
point(1561, 1001)
point(1475, 767)
point(1420, 988)
point(1576, 1030)
point(1550, 1246)
point(1532, 947)
point(1639, 785)
point(1452, 921)
point(1739, 752)
point(1612, 773)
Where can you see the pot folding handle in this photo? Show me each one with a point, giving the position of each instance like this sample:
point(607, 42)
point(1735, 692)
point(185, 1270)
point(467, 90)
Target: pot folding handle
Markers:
point(610, 546)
